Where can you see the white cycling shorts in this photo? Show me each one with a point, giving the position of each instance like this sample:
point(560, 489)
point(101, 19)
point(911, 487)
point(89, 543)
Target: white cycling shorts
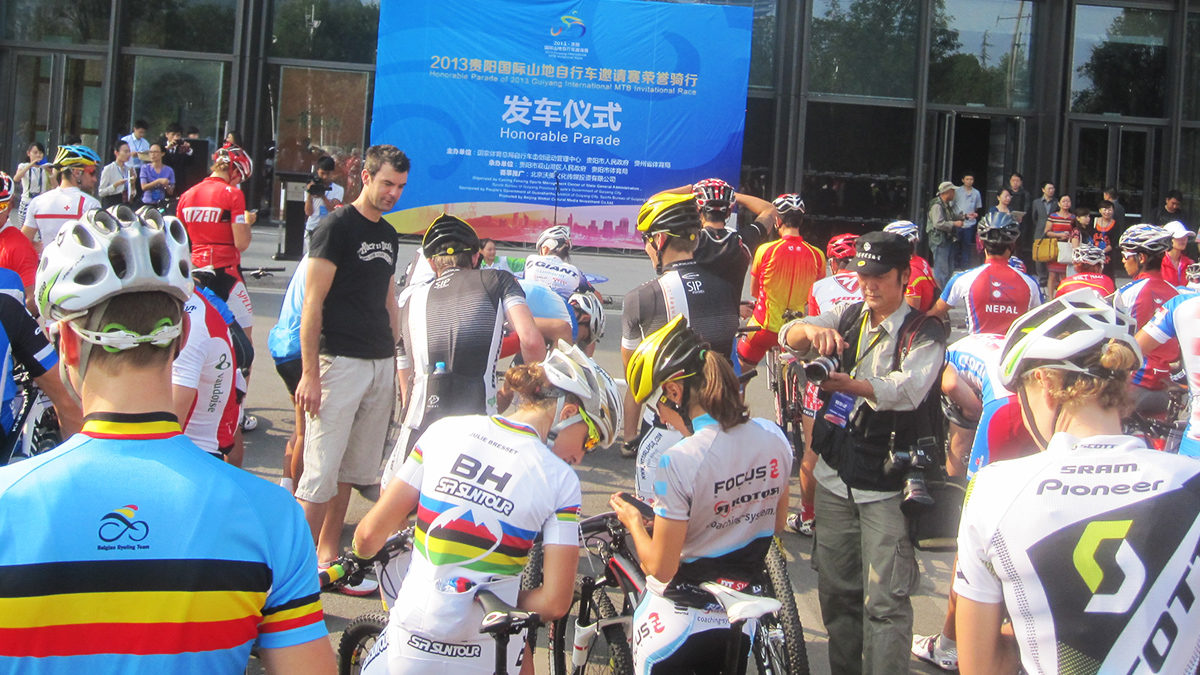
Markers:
point(400, 652)
point(661, 627)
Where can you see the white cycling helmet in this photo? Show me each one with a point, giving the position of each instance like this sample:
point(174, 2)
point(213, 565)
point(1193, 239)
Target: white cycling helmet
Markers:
point(570, 370)
point(1146, 238)
point(1192, 272)
point(1088, 255)
point(1062, 334)
point(904, 228)
point(558, 238)
point(107, 253)
point(587, 303)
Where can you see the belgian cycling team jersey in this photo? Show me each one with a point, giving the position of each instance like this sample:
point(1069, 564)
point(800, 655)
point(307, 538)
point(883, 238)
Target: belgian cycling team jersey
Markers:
point(1100, 283)
point(49, 211)
point(488, 486)
point(686, 288)
point(21, 340)
point(560, 276)
point(208, 211)
point(1142, 298)
point(1091, 546)
point(994, 293)
point(135, 551)
point(830, 291)
point(1175, 323)
point(783, 274)
point(207, 364)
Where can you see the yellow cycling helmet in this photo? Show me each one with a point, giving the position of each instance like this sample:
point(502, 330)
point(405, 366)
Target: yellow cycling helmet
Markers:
point(70, 156)
point(669, 353)
point(669, 212)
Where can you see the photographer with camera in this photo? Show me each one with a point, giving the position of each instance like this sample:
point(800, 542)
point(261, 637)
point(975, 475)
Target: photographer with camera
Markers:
point(321, 195)
point(881, 359)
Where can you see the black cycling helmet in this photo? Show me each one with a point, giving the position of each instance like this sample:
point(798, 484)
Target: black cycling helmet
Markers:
point(448, 235)
point(998, 228)
point(669, 353)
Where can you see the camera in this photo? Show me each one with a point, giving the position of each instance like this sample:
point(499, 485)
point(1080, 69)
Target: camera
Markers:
point(316, 186)
point(818, 370)
point(913, 463)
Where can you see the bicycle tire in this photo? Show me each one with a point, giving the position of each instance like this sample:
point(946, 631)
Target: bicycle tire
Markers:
point(616, 656)
point(357, 640)
point(787, 619)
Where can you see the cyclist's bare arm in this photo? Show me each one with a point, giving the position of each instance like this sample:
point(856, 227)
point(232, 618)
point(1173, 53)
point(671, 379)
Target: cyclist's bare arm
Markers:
point(184, 398)
point(940, 309)
point(533, 348)
point(316, 287)
point(389, 514)
point(781, 512)
point(404, 381)
point(1146, 341)
point(70, 417)
point(981, 649)
point(314, 657)
point(632, 418)
point(659, 553)
point(957, 390)
point(553, 598)
point(553, 330)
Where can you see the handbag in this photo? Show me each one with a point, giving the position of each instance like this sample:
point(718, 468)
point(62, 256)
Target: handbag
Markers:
point(1066, 253)
point(1045, 250)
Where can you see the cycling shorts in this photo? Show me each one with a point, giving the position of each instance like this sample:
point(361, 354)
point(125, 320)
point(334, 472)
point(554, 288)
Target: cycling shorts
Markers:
point(753, 347)
point(290, 372)
point(398, 651)
point(1001, 435)
point(656, 439)
point(672, 638)
point(230, 286)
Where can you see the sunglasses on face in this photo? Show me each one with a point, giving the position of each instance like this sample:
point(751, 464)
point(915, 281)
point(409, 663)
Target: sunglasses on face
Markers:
point(593, 437)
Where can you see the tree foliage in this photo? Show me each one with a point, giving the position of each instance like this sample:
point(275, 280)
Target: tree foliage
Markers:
point(1127, 72)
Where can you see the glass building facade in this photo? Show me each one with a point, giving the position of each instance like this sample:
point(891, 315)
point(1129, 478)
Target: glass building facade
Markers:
point(862, 105)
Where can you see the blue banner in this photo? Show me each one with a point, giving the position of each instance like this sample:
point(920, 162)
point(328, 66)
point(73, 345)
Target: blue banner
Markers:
point(519, 114)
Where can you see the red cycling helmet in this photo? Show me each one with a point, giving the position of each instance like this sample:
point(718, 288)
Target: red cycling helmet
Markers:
point(713, 196)
point(237, 159)
point(6, 188)
point(841, 247)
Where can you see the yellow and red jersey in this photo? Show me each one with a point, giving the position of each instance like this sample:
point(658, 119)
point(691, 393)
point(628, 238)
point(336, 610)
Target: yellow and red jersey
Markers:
point(781, 277)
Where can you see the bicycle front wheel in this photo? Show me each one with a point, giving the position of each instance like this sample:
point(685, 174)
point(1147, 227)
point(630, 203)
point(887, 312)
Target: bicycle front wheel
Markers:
point(779, 640)
point(357, 640)
point(609, 651)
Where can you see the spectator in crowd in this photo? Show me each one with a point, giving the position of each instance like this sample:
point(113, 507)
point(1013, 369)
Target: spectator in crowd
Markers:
point(1110, 195)
point(1019, 205)
point(1171, 210)
point(1106, 232)
point(1175, 263)
point(942, 230)
point(117, 179)
point(968, 201)
point(157, 179)
point(35, 177)
point(321, 196)
point(139, 145)
point(1060, 225)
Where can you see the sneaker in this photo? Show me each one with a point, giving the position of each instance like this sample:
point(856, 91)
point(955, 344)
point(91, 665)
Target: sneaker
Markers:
point(627, 452)
point(361, 589)
point(249, 422)
point(928, 648)
point(804, 527)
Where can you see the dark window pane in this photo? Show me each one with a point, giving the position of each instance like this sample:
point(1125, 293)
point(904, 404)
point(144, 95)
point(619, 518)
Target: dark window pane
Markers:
point(67, 21)
point(1120, 61)
point(980, 53)
point(762, 48)
point(864, 47)
point(189, 25)
point(852, 179)
point(758, 147)
point(1191, 65)
point(162, 91)
point(1189, 173)
point(322, 112)
point(329, 30)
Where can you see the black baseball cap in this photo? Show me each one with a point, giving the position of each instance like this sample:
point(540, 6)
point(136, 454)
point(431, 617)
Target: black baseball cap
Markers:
point(876, 253)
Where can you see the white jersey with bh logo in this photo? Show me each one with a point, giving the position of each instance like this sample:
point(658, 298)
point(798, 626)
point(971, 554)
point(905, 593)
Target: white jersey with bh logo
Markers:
point(1093, 547)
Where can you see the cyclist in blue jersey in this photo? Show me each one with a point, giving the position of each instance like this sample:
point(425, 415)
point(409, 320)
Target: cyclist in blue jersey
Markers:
point(284, 344)
point(135, 550)
point(482, 488)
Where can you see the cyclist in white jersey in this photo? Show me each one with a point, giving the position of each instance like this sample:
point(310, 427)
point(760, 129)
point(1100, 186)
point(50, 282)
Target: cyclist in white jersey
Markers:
point(720, 496)
point(483, 487)
point(1089, 546)
point(78, 169)
point(551, 265)
point(203, 377)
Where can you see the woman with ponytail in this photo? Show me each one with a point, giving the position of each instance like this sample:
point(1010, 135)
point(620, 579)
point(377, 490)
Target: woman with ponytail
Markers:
point(720, 496)
point(1088, 546)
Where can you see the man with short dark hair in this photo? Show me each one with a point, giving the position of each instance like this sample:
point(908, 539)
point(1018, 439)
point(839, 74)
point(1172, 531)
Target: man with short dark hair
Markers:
point(348, 331)
point(890, 355)
point(1019, 204)
point(318, 204)
point(1171, 210)
point(1111, 194)
point(139, 145)
point(969, 202)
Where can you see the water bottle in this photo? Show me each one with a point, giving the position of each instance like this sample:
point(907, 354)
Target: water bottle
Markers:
point(434, 393)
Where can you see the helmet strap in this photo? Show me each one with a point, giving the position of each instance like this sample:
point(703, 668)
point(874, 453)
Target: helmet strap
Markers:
point(558, 426)
point(1028, 412)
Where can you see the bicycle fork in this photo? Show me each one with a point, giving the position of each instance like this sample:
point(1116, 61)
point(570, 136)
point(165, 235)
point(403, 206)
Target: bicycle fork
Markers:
point(587, 628)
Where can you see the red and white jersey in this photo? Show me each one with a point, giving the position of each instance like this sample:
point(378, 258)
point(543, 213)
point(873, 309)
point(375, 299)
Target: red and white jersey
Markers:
point(1142, 298)
point(1100, 283)
point(49, 211)
point(207, 365)
point(994, 293)
point(830, 291)
point(208, 211)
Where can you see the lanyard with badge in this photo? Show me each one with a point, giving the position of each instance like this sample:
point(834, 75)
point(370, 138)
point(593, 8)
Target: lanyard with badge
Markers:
point(841, 404)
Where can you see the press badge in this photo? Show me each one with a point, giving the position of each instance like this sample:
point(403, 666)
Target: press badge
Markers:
point(840, 407)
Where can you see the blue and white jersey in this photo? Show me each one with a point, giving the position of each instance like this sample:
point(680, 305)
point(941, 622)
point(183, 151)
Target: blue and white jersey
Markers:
point(544, 303)
point(976, 359)
point(562, 277)
point(1178, 320)
point(284, 339)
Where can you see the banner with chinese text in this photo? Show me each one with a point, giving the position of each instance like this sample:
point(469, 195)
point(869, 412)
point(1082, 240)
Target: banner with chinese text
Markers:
point(518, 114)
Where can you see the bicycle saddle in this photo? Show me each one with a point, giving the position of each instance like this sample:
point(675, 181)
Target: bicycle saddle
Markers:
point(740, 606)
point(500, 617)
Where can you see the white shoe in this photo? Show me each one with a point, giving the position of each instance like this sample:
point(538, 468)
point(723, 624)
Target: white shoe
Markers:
point(928, 648)
point(249, 422)
point(803, 527)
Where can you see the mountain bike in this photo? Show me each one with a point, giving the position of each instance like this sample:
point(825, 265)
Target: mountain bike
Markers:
point(35, 425)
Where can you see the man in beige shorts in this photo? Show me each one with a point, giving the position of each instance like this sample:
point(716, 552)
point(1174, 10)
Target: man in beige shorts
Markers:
point(348, 330)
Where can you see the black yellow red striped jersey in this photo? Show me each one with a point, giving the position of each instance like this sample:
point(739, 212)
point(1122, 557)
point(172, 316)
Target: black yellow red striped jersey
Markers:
point(130, 549)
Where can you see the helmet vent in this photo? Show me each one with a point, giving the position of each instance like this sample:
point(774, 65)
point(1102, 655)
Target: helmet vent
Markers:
point(118, 257)
point(82, 236)
point(89, 275)
point(159, 255)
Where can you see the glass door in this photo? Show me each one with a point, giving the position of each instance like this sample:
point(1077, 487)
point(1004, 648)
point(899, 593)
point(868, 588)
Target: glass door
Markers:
point(1120, 156)
point(55, 96)
point(988, 147)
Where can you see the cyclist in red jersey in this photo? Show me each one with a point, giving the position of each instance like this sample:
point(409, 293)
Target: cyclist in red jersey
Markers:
point(1142, 248)
point(1088, 261)
point(780, 279)
point(218, 225)
point(922, 290)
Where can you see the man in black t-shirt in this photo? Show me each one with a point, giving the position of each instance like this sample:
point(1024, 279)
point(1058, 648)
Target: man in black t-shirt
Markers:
point(465, 341)
point(670, 224)
point(347, 343)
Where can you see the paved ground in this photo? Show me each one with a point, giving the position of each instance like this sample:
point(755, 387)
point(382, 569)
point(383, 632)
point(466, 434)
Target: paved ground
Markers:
point(601, 475)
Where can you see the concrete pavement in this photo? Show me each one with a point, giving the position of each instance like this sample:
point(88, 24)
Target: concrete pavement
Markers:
point(600, 475)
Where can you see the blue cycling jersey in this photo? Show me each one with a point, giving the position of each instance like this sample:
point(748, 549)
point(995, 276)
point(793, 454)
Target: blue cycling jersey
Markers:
point(544, 303)
point(130, 549)
point(284, 339)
